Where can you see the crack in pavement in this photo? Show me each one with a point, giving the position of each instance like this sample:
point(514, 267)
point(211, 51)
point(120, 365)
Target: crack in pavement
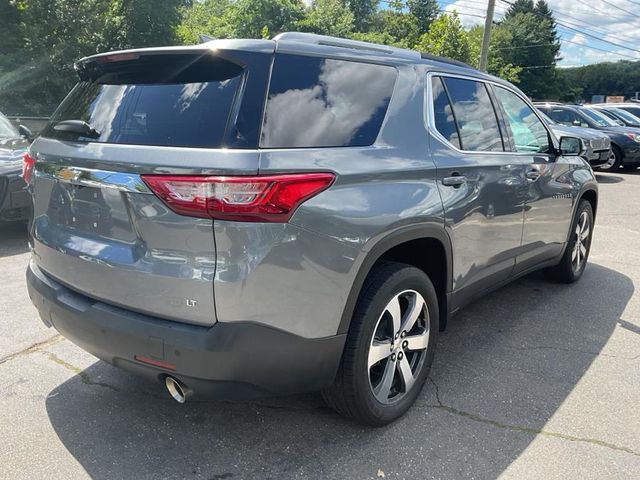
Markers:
point(577, 350)
point(84, 377)
point(521, 428)
point(33, 348)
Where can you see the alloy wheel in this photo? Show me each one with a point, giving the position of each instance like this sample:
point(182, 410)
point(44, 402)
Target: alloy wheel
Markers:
point(611, 161)
point(398, 346)
point(581, 242)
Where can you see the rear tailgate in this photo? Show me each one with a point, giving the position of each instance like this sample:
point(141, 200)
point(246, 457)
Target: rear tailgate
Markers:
point(97, 227)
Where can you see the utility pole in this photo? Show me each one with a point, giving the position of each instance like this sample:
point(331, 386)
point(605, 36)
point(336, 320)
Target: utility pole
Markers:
point(486, 35)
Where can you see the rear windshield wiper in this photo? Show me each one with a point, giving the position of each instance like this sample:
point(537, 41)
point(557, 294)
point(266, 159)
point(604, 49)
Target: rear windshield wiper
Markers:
point(78, 127)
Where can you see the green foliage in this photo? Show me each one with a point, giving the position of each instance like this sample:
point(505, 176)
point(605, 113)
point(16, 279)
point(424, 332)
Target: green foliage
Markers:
point(328, 17)
point(248, 18)
point(447, 38)
point(363, 11)
point(41, 39)
point(497, 64)
point(534, 46)
point(208, 17)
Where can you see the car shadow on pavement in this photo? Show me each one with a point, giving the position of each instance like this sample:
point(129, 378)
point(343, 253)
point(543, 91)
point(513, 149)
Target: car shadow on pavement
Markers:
point(13, 239)
point(502, 369)
point(608, 178)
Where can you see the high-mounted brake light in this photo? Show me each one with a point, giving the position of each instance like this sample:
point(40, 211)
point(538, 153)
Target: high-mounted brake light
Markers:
point(28, 163)
point(262, 198)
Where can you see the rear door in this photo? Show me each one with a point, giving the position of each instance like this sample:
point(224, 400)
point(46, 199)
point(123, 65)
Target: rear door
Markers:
point(97, 227)
point(481, 184)
point(549, 185)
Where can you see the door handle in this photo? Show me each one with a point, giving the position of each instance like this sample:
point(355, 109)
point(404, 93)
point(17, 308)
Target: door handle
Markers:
point(533, 175)
point(454, 181)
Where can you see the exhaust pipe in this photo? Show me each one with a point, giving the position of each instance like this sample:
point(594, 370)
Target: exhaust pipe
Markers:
point(177, 389)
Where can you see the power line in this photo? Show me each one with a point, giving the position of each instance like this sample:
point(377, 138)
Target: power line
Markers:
point(580, 31)
point(620, 8)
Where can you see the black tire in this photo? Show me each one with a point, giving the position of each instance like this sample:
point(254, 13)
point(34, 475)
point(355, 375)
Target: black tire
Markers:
point(352, 393)
point(567, 271)
point(618, 158)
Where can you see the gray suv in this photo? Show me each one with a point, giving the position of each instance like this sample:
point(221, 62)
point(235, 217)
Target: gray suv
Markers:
point(263, 217)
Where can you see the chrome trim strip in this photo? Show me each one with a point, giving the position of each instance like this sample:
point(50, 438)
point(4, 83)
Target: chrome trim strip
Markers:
point(87, 177)
point(430, 113)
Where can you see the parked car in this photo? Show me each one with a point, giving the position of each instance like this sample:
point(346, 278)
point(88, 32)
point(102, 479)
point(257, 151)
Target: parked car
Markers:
point(15, 201)
point(618, 115)
point(264, 217)
point(631, 107)
point(597, 144)
point(625, 141)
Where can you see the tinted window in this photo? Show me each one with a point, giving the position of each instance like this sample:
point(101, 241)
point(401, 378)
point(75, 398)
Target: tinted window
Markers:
point(633, 110)
point(566, 117)
point(474, 114)
point(443, 115)
point(598, 118)
point(177, 100)
point(529, 134)
point(318, 102)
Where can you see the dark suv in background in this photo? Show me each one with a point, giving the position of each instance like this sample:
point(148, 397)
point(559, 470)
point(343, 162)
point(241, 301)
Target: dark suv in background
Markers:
point(263, 217)
point(625, 141)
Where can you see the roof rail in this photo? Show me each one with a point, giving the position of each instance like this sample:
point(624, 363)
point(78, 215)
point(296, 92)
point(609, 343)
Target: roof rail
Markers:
point(312, 38)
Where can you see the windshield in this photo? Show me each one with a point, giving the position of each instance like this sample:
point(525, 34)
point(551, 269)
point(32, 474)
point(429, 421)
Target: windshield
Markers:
point(546, 118)
point(598, 118)
point(626, 116)
point(7, 130)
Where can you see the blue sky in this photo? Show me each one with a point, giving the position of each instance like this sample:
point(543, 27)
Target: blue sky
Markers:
point(616, 21)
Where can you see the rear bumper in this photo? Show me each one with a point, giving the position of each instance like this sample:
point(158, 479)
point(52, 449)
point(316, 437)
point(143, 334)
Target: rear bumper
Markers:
point(239, 360)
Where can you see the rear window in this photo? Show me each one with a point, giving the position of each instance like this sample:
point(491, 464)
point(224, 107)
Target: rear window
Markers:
point(164, 100)
point(320, 102)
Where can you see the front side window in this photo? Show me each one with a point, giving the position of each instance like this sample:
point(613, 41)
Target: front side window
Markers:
point(529, 134)
point(474, 115)
point(322, 102)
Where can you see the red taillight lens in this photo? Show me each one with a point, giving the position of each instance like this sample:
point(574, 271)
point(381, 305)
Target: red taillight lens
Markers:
point(28, 162)
point(264, 198)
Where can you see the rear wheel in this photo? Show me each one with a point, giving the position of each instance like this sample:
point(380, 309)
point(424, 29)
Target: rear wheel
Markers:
point(389, 348)
point(575, 257)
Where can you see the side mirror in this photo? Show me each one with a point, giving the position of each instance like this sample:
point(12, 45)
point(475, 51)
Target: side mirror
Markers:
point(572, 146)
point(576, 123)
point(25, 132)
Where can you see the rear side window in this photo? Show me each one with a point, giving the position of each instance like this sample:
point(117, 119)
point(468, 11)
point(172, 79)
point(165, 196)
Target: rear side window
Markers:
point(168, 100)
point(474, 115)
point(443, 114)
point(320, 102)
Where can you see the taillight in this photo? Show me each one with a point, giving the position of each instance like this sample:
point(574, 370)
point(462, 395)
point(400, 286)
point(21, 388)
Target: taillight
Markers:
point(28, 162)
point(264, 198)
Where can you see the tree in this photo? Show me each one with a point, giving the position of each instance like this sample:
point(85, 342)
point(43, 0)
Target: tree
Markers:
point(208, 17)
point(424, 12)
point(533, 46)
point(141, 23)
point(497, 64)
point(447, 38)
point(363, 11)
point(520, 6)
point(255, 18)
point(396, 22)
point(328, 17)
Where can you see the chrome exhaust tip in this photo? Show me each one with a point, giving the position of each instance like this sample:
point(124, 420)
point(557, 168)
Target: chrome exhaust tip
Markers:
point(177, 389)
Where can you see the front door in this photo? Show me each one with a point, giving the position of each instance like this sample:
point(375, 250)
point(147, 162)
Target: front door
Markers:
point(550, 189)
point(481, 184)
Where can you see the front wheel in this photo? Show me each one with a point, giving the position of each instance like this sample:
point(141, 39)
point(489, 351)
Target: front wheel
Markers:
point(389, 348)
point(575, 257)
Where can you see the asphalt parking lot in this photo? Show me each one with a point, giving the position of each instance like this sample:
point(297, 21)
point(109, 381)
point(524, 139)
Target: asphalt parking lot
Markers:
point(537, 380)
